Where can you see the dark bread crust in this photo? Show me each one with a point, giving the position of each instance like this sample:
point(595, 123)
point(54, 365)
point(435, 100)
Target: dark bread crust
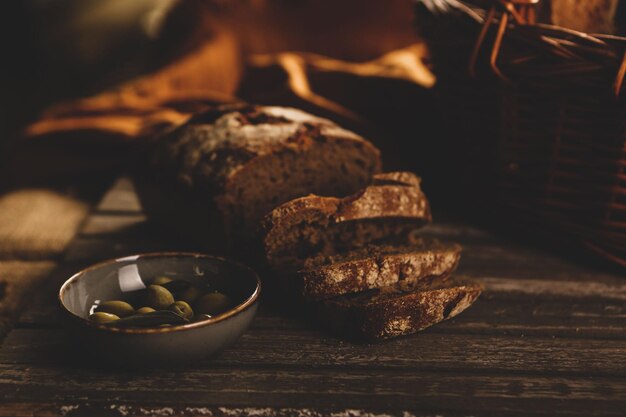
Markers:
point(390, 208)
point(384, 201)
point(240, 161)
point(392, 311)
point(212, 147)
point(397, 178)
point(232, 151)
point(377, 266)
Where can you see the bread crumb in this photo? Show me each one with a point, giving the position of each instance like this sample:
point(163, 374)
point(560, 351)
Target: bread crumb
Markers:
point(398, 326)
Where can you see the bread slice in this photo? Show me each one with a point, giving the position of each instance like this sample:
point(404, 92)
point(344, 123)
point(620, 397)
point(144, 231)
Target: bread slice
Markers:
point(397, 310)
point(376, 266)
point(387, 210)
point(217, 175)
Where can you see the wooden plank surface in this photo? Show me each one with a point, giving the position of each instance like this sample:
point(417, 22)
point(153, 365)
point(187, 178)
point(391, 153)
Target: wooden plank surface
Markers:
point(324, 388)
point(548, 337)
point(430, 351)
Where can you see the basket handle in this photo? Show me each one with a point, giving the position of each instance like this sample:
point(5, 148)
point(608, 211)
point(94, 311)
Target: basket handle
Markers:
point(522, 11)
point(619, 79)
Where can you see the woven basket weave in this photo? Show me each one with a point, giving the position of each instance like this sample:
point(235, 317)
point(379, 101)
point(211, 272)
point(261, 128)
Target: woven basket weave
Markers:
point(559, 155)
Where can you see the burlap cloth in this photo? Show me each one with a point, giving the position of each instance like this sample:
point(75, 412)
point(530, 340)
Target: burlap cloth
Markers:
point(356, 57)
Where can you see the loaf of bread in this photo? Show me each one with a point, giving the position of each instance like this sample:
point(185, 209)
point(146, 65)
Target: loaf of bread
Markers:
point(388, 210)
point(376, 266)
point(217, 175)
point(397, 310)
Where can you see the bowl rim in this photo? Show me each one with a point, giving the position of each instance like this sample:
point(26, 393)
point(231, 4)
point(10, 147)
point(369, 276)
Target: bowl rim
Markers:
point(246, 304)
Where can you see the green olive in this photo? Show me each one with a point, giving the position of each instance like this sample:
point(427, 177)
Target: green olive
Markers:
point(144, 310)
point(158, 297)
point(213, 303)
point(182, 309)
point(160, 280)
point(119, 308)
point(102, 317)
point(189, 295)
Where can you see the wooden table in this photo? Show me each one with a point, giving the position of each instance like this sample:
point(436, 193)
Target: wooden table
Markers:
point(546, 338)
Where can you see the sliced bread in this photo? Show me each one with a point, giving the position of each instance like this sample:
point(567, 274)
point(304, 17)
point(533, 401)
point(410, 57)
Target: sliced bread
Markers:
point(375, 266)
point(397, 310)
point(387, 211)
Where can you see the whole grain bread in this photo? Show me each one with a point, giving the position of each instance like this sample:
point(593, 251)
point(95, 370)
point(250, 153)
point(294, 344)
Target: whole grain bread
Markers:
point(388, 210)
point(217, 175)
point(397, 310)
point(376, 266)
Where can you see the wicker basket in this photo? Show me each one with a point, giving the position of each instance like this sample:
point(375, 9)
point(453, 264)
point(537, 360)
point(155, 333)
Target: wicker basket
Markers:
point(559, 156)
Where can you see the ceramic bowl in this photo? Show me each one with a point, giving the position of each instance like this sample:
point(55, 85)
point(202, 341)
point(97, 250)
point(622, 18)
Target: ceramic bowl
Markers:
point(160, 346)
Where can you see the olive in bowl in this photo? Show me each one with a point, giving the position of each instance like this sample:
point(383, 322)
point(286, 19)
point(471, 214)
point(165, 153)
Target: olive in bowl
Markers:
point(124, 319)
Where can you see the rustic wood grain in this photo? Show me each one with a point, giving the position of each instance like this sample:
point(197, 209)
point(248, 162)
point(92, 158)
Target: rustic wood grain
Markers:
point(108, 409)
point(427, 351)
point(100, 409)
point(319, 387)
point(130, 409)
